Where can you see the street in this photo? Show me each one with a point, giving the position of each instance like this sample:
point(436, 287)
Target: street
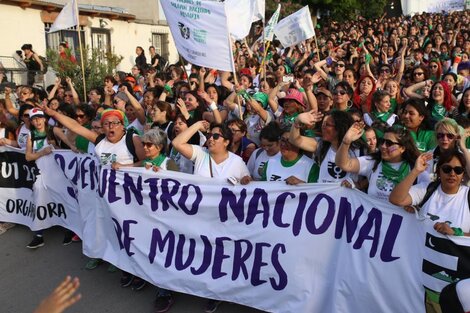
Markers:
point(27, 276)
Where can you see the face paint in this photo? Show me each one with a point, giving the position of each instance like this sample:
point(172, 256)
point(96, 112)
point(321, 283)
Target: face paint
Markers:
point(392, 149)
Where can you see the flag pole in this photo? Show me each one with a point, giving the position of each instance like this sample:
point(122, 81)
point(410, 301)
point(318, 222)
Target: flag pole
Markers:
point(234, 72)
point(82, 54)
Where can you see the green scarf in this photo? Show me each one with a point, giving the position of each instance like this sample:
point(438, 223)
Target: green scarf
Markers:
point(156, 161)
point(40, 139)
point(394, 175)
point(383, 116)
point(438, 112)
point(393, 105)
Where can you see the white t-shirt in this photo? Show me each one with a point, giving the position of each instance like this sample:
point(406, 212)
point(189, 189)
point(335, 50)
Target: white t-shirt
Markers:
point(256, 163)
point(330, 172)
point(444, 207)
point(233, 166)
point(109, 153)
point(255, 124)
point(137, 125)
point(276, 171)
point(379, 185)
point(185, 165)
point(463, 292)
point(23, 137)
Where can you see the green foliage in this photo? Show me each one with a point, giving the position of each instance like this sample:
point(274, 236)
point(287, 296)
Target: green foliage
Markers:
point(97, 63)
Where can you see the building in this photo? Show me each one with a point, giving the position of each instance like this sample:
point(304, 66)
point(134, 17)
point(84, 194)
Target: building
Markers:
point(109, 25)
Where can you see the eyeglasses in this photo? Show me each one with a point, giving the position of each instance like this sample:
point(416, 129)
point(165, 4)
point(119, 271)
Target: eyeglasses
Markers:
point(458, 170)
point(80, 115)
point(108, 124)
point(442, 135)
point(384, 70)
point(388, 143)
point(339, 92)
point(216, 136)
point(418, 73)
point(148, 145)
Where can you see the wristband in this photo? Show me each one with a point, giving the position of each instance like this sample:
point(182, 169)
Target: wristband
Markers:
point(329, 61)
point(301, 89)
point(457, 231)
point(213, 106)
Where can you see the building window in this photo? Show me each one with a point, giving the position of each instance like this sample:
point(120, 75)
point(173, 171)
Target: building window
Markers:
point(101, 41)
point(160, 42)
point(68, 35)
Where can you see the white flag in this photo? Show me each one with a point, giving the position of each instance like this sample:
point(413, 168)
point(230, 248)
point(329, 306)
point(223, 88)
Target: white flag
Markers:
point(295, 28)
point(200, 32)
point(259, 10)
point(269, 29)
point(240, 17)
point(67, 18)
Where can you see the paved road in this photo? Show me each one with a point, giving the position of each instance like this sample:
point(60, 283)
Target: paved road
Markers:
point(29, 275)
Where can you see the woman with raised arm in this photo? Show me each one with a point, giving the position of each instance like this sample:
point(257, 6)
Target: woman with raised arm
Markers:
point(385, 168)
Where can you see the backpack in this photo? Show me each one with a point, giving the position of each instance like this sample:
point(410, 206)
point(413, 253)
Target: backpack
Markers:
point(45, 64)
point(129, 142)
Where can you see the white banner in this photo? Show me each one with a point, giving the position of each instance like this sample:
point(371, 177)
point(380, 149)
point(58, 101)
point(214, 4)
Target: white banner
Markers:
point(431, 6)
point(279, 248)
point(200, 31)
point(295, 28)
point(239, 17)
point(67, 17)
point(269, 29)
point(259, 10)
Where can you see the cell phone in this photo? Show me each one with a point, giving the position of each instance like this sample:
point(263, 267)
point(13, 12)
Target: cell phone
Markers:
point(288, 79)
point(234, 181)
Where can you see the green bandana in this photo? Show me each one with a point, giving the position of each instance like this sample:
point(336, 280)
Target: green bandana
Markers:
point(156, 161)
point(394, 175)
point(438, 112)
point(40, 139)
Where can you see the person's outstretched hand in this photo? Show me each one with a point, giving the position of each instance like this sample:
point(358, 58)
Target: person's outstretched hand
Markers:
point(61, 298)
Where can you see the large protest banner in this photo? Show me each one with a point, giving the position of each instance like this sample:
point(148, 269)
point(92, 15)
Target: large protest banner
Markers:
point(309, 248)
point(200, 31)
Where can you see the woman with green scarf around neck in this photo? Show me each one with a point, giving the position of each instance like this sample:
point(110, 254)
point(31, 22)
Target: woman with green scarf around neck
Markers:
point(385, 168)
point(41, 140)
point(381, 115)
point(415, 118)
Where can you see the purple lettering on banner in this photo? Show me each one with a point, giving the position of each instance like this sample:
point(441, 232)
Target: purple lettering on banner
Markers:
point(60, 160)
point(345, 220)
point(160, 243)
point(206, 260)
point(167, 195)
point(112, 197)
point(259, 200)
point(390, 238)
point(118, 230)
point(184, 197)
point(374, 220)
point(219, 257)
point(179, 263)
point(299, 214)
point(312, 213)
point(237, 206)
point(258, 264)
point(282, 282)
point(127, 238)
point(136, 189)
point(153, 186)
point(240, 256)
point(279, 209)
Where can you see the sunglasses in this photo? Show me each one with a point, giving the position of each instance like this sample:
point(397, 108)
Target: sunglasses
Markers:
point(433, 66)
point(148, 144)
point(418, 74)
point(388, 143)
point(80, 115)
point(216, 136)
point(442, 135)
point(458, 170)
point(340, 65)
point(339, 92)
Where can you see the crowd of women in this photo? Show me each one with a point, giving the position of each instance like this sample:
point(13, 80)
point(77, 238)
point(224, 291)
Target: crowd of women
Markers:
point(378, 105)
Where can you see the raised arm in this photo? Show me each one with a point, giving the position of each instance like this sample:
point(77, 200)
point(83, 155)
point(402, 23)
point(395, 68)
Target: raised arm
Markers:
point(9, 104)
point(180, 143)
point(54, 89)
point(76, 98)
point(303, 142)
point(411, 90)
point(139, 110)
point(400, 194)
point(343, 159)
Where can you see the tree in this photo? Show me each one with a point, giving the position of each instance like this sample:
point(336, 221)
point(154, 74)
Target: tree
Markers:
point(98, 64)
